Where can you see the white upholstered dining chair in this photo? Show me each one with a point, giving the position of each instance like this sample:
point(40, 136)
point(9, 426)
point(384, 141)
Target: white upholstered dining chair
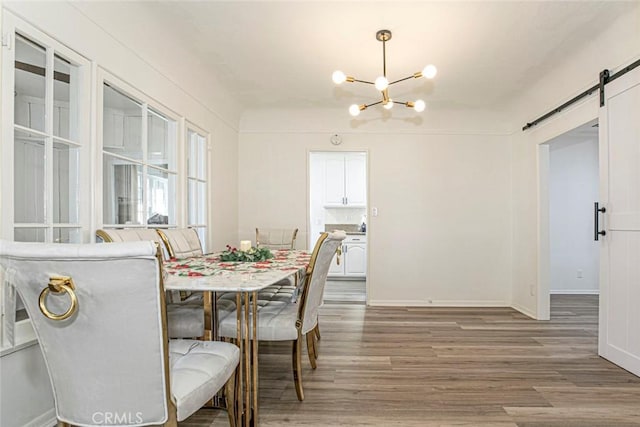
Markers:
point(181, 242)
point(98, 313)
point(276, 238)
point(184, 319)
point(294, 321)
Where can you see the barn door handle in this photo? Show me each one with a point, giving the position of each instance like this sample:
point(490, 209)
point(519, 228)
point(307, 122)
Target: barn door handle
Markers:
point(596, 227)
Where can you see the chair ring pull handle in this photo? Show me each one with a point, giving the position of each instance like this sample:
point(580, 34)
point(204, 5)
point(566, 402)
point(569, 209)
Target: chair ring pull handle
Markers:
point(58, 284)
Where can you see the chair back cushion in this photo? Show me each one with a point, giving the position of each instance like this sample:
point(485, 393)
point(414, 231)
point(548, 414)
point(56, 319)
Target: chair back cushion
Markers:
point(276, 238)
point(316, 278)
point(181, 242)
point(105, 361)
point(132, 235)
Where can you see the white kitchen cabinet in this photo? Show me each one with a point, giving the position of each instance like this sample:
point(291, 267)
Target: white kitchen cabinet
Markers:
point(355, 255)
point(353, 261)
point(346, 180)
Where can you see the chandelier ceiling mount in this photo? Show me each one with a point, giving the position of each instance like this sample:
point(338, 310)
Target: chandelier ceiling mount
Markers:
point(382, 83)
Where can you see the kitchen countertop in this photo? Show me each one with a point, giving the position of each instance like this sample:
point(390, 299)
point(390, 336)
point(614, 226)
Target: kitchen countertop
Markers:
point(350, 229)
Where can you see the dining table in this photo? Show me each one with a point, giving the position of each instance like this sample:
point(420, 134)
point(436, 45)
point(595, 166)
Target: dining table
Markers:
point(213, 276)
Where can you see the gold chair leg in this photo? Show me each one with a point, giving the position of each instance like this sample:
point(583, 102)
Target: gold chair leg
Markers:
point(311, 350)
point(297, 367)
point(317, 331)
point(172, 420)
point(230, 399)
point(315, 345)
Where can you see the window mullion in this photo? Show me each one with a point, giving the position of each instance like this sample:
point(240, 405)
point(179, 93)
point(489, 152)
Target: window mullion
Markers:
point(145, 161)
point(48, 157)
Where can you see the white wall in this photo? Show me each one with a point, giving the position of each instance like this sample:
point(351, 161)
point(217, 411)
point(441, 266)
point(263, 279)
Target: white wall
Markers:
point(573, 188)
point(175, 82)
point(613, 48)
point(442, 189)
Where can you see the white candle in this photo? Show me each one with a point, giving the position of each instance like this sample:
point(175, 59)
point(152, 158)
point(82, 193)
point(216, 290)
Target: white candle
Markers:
point(245, 245)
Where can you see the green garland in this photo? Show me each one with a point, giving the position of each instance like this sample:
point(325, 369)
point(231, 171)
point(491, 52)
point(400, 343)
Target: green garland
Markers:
point(252, 255)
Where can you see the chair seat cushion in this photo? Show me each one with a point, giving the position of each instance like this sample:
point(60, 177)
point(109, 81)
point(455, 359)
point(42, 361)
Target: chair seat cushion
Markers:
point(276, 322)
point(185, 320)
point(198, 370)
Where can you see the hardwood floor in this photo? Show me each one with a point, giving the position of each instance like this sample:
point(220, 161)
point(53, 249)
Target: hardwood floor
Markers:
point(345, 291)
point(448, 366)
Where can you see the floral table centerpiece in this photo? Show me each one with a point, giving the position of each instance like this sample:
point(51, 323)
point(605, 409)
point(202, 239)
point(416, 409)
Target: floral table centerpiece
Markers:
point(250, 255)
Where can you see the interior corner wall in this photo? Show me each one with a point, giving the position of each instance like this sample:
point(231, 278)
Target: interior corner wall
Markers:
point(573, 188)
point(442, 191)
point(613, 48)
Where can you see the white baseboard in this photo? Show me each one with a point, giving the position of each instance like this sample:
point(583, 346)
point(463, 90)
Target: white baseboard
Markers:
point(437, 303)
point(575, 292)
point(524, 310)
point(48, 419)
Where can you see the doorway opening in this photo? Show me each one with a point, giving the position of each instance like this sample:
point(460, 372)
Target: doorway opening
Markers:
point(572, 175)
point(338, 189)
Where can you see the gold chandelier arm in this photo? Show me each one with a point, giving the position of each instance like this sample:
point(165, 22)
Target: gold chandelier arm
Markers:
point(371, 105)
point(360, 81)
point(414, 76)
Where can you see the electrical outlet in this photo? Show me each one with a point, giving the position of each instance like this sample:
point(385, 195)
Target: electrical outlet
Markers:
point(374, 211)
point(532, 289)
point(579, 274)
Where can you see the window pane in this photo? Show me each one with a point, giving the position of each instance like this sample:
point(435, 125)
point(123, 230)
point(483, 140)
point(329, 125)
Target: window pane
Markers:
point(28, 173)
point(65, 81)
point(196, 155)
point(161, 135)
point(202, 157)
point(161, 191)
point(122, 192)
point(67, 235)
point(65, 183)
point(192, 154)
point(202, 206)
point(29, 234)
point(192, 202)
point(29, 84)
point(122, 124)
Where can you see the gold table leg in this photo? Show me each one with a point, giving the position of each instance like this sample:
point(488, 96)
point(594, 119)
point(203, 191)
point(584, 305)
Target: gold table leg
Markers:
point(247, 361)
point(239, 340)
point(254, 367)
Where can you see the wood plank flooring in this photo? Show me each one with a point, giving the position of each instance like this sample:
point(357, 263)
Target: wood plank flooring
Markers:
point(345, 291)
point(448, 366)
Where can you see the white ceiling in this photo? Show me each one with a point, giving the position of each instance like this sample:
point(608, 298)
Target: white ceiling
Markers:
point(278, 54)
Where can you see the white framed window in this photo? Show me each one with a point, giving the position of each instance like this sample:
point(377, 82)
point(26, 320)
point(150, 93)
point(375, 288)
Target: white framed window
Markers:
point(45, 151)
point(197, 143)
point(139, 140)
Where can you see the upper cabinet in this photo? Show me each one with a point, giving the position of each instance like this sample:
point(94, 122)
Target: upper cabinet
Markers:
point(346, 180)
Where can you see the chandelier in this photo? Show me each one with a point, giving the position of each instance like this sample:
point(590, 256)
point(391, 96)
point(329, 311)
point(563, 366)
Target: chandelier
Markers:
point(382, 83)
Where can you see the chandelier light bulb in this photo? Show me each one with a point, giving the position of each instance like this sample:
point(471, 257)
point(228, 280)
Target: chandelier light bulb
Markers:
point(419, 106)
point(354, 110)
point(429, 71)
point(388, 105)
point(381, 83)
point(339, 77)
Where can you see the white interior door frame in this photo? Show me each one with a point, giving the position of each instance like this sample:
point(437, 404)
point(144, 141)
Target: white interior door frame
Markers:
point(576, 116)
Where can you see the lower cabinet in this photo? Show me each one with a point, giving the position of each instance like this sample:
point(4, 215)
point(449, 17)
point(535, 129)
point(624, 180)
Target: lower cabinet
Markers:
point(353, 261)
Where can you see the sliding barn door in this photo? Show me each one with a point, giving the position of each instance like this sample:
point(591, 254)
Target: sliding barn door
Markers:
point(619, 339)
